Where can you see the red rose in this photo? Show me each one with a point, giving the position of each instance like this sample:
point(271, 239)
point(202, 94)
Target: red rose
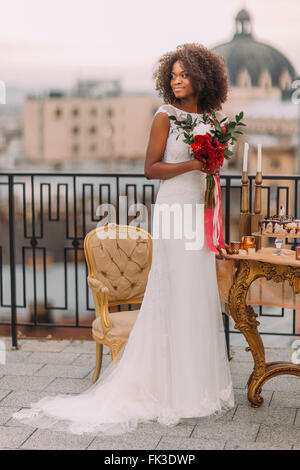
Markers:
point(210, 152)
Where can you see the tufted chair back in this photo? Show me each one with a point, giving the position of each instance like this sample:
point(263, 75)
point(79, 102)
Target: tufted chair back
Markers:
point(120, 256)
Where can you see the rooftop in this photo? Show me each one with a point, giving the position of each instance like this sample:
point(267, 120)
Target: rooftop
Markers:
point(47, 367)
point(245, 52)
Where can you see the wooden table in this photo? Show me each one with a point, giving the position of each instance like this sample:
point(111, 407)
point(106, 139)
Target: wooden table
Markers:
point(250, 268)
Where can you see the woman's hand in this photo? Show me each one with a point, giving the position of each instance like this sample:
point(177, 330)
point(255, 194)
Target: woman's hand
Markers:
point(198, 165)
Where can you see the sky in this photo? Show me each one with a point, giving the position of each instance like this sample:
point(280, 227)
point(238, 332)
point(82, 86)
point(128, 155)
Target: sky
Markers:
point(53, 43)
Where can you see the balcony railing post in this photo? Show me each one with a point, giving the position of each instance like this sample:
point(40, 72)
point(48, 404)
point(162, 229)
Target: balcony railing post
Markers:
point(12, 261)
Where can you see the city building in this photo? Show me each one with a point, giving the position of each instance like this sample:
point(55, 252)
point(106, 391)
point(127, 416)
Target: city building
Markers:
point(80, 128)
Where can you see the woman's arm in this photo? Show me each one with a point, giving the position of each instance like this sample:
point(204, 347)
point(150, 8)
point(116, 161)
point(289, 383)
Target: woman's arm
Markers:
point(155, 168)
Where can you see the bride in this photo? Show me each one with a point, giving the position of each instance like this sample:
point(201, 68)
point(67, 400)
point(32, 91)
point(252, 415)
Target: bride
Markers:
point(174, 365)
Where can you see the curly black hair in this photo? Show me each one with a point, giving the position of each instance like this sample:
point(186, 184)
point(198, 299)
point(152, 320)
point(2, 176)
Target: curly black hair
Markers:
point(207, 71)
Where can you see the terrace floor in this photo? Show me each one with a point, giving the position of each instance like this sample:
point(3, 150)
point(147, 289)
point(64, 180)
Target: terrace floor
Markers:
point(45, 367)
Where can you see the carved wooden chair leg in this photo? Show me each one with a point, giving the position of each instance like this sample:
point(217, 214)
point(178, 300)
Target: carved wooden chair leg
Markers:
point(115, 349)
point(99, 351)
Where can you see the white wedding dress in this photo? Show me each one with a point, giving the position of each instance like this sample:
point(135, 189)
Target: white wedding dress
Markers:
point(175, 364)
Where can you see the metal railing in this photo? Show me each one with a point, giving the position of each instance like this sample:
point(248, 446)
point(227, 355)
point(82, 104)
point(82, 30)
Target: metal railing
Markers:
point(44, 218)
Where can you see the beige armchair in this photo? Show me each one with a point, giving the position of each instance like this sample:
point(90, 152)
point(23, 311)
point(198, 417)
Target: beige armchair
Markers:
point(119, 259)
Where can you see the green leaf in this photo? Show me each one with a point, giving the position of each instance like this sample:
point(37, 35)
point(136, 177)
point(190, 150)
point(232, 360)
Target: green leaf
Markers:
point(230, 126)
point(173, 118)
point(228, 153)
point(242, 124)
point(238, 132)
point(218, 127)
point(189, 118)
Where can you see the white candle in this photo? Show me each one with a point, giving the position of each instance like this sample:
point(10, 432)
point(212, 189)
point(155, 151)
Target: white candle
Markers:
point(258, 157)
point(245, 161)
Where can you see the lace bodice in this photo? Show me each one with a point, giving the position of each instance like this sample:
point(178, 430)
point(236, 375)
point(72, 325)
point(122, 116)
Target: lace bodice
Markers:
point(177, 151)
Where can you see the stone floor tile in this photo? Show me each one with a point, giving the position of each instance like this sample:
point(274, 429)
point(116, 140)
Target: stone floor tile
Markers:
point(31, 382)
point(105, 363)
point(19, 369)
point(279, 435)
point(53, 440)
point(241, 368)
point(13, 437)
point(72, 372)
point(57, 358)
point(228, 416)
point(190, 443)
point(286, 399)
point(281, 383)
point(233, 445)
point(6, 413)
point(17, 356)
point(297, 419)
point(239, 381)
point(239, 354)
point(23, 398)
point(271, 415)
point(45, 345)
point(227, 430)
point(278, 354)
point(90, 360)
point(128, 441)
point(85, 359)
point(77, 346)
point(4, 393)
point(183, 430)
point(65, 385)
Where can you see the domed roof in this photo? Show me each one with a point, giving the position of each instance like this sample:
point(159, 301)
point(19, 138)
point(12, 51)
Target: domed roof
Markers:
point(243, 15)
point(244, 52)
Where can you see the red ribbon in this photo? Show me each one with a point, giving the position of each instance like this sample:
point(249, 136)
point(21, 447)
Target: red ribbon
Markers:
point(209, 221)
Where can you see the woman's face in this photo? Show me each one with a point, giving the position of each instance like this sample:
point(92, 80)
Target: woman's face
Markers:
point(180, 81)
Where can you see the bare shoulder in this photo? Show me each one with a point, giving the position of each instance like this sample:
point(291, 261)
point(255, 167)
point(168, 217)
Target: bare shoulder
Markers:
point(161, 119)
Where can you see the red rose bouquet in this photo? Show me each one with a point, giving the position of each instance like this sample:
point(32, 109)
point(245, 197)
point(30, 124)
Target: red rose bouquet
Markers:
point(211, 141)
point(212, 145)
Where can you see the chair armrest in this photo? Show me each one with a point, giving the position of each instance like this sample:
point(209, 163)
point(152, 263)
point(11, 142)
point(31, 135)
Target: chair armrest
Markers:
point(96, 284)
point(100, 294)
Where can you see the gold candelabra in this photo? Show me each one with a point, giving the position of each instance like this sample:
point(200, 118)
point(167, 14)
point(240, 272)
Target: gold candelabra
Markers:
point(248, 221)
point(257, 203)
point(245, 216)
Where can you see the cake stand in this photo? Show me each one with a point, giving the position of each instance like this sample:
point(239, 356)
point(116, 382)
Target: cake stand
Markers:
point(278, 240)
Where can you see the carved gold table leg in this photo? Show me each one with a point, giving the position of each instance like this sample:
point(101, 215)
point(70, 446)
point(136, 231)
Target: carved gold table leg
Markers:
point(245, 321)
